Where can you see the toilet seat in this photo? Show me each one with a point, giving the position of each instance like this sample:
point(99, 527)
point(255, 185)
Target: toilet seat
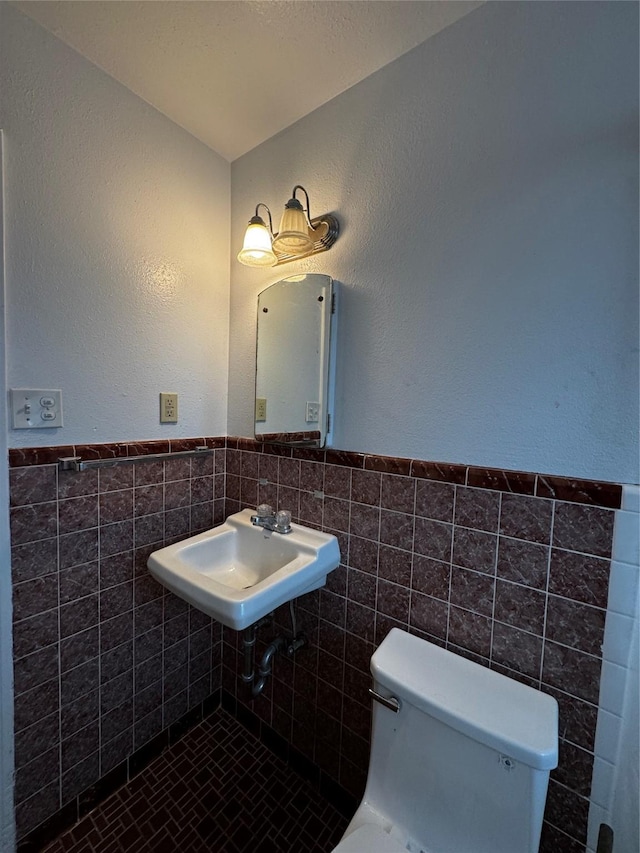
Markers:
point(369, 838)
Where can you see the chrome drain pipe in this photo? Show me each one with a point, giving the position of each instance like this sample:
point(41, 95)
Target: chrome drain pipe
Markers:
point(290, 645)
point(249, 646)
point(249, 649)
point(264, 670)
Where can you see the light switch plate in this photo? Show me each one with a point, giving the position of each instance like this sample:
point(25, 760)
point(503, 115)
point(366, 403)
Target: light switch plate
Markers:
point(36, 408)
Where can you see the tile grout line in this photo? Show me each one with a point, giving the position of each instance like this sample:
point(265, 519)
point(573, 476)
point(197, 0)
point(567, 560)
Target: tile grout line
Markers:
point(495, 578)
point(447, 639)
point(546, 599)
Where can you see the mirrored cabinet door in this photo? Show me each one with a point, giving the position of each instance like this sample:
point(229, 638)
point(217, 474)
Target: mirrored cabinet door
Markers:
point(295, 360)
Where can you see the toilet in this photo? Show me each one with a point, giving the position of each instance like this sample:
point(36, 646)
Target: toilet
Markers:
point(460, 756)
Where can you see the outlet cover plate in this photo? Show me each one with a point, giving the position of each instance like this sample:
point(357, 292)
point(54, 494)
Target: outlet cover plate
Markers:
point(168, 408)
point(36, 408)
point(312, 412)
point(261, 408)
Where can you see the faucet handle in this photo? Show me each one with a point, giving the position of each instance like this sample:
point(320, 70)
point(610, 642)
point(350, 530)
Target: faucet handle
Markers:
point(264, 511)
point(283, 521)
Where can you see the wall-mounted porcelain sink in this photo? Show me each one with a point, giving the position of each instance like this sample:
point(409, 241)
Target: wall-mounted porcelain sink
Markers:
point(238, 572)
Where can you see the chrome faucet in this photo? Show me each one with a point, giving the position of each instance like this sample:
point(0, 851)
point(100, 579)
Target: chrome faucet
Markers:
point(277, 522)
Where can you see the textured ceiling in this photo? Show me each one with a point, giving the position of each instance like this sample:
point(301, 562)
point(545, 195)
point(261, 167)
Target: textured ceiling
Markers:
point(235, 73)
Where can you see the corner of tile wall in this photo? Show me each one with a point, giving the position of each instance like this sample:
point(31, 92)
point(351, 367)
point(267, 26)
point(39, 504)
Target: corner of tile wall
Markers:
point(615, 728)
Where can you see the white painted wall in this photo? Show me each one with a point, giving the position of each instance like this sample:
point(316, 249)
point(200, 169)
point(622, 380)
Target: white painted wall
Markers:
point(615, 795)
point(117, 231)
point(486, 184)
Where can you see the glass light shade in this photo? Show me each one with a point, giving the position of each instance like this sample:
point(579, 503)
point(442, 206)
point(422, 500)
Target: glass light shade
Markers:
point(256, 250)
point(293, 237)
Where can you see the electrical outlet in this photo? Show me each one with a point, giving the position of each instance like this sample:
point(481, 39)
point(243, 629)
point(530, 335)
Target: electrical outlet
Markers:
point(312, 413)
point(168, 408)
point(261, 408)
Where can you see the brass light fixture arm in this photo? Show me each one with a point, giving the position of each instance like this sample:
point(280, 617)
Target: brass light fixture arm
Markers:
point(306, 195)
point(257, 215)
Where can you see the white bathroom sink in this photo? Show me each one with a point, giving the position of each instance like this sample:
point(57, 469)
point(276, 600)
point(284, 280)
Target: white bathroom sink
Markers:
point(238, 572)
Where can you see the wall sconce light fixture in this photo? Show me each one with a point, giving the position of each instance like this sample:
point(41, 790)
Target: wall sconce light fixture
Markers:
point(298, 237)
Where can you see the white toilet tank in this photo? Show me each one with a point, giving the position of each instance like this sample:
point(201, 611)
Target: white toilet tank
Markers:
point(463, 766)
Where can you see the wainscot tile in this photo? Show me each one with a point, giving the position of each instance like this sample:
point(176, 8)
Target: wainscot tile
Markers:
point(579, 577)
point(526, 518)
point(32, 485)
point(580, 491)
point(34, 560)
point(337, 481)
point(101, 451)
point(571, 671)
point(116, 478)
point(394, 564)
point(518, 482)
point(587, 529)
point(35, 596)
point(575, 768)
point(429, 615)
point(344, 457)
point(79, 680)
point(470, 631)
point(473, 549)
point(34, 704)
point(577, 625)
point(366, 487)
point(388, 464)
point(477, 508)
point(393, 600)
point(520, 606)
point(431, 577)
point(517, 649)
point(396, 529)
point(77, 513)
point(435, 500)
point(30, 635)
point(433, 539)
point(523, 562)
point(33, 522)
point(472, 590)
point(37, 739)
point(74, 484)
point(443, 472)
point(19, 456)
point(78, 582)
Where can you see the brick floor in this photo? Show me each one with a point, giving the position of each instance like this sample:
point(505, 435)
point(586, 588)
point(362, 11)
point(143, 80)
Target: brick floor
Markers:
point(218, 790)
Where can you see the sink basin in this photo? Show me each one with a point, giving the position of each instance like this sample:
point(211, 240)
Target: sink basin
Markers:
point(238, 572)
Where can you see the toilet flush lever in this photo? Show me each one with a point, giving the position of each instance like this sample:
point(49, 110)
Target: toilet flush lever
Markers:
point(388, 701)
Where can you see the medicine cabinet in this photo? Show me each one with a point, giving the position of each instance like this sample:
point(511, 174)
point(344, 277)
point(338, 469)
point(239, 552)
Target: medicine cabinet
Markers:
point(295, 361)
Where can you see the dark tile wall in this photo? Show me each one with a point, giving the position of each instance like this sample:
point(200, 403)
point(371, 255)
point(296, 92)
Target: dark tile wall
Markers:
point(507, 568)
point(105, 659)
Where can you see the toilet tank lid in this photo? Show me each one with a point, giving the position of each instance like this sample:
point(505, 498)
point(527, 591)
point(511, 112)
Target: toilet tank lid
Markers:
point(485, 705)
